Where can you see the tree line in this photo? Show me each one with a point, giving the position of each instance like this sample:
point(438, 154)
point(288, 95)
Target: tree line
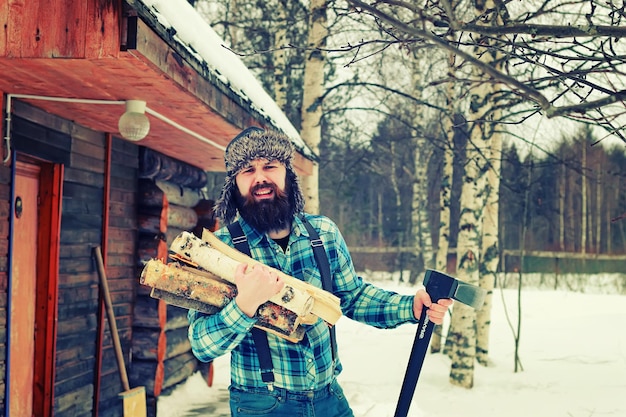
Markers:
point(569, 199)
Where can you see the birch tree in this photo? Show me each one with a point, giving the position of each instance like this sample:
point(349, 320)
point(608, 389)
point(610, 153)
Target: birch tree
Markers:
point(445, 193)
point(312, 97)
point(491, 142)
point(477, 244)
point(261, 34)
point(462, 333)
point(281, 39)
point(421, 231)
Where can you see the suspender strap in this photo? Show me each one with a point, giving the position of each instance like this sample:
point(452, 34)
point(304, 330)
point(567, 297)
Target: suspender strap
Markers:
point(324, 266)
point(240, 241)
point(265, 357)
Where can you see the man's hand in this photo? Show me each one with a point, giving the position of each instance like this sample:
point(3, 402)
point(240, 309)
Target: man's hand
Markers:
point(255, 286)
point(436, 311)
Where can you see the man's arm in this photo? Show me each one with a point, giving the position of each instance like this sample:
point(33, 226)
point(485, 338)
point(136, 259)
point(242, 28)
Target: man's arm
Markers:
point(214, 335)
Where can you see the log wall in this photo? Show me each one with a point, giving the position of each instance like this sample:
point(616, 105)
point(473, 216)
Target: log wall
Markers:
point(169, 202)
point(83, 152)
point(153, 334)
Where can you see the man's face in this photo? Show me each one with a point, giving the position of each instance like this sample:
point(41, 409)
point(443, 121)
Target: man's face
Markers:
point(261, 179)
point(263, 195)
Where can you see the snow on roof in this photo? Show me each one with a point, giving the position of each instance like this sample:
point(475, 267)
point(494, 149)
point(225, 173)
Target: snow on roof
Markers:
point(193, 33)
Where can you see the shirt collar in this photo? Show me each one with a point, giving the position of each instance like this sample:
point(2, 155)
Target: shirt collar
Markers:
point(254, 237)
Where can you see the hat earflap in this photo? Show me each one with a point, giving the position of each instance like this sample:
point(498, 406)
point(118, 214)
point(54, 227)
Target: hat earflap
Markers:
point(225, 206)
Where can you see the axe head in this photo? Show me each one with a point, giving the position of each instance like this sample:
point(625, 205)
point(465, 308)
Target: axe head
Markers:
point(439, 285)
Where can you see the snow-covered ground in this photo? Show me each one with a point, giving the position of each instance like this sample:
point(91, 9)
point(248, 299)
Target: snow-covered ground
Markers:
point(572, 349)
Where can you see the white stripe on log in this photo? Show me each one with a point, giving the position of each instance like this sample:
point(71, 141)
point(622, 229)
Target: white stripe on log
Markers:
point(216, 262)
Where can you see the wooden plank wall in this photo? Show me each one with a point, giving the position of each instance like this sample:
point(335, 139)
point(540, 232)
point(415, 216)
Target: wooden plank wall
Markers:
point(121, 269)
point(156, 333)
point(83, 151)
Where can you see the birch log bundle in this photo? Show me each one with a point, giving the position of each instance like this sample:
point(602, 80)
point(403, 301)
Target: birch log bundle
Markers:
point(206, 284)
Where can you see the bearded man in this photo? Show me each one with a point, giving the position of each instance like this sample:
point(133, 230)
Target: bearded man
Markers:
point(261, 196)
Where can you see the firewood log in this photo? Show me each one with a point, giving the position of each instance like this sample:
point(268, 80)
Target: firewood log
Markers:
point(203, 291)
point(325, 305)
point(296, 295)
point(185, 283)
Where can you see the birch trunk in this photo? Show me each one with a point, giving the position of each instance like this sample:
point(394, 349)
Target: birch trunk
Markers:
point(420, 225)
point(599, 210)
point(561, 193)
point(398, 200)
point(572, 192)
point(462, 334)
point(490, 250)
point(279, 57)
point(312, 97)
point(445, 191)
point(379, 221)
point(583, 214)
point(473, 198)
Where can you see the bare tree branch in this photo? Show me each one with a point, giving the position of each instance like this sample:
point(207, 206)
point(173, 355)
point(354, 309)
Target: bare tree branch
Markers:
point(566, 57)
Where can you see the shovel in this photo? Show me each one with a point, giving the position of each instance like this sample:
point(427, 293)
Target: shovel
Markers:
point(134, 399)
point(438, 285)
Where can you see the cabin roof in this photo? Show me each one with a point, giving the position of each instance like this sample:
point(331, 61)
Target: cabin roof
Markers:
point(161, 52)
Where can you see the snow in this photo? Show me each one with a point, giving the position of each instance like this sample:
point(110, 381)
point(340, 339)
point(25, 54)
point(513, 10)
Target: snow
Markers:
point(572, 350)
point(192, 32)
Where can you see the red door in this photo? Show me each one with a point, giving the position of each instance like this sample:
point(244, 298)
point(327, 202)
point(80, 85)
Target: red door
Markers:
point(23, 290)
point(34, 287)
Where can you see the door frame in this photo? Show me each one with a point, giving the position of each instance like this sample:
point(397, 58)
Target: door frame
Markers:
point(46, 298)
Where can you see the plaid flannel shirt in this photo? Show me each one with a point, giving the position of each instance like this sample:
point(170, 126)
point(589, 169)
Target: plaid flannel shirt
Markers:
point(307, 364)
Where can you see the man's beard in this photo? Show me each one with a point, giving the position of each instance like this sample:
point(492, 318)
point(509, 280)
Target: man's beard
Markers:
point(266, 215)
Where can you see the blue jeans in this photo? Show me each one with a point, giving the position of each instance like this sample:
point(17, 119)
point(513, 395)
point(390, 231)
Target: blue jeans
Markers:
point(325, 402)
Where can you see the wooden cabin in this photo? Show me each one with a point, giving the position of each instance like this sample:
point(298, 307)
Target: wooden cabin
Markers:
point(71, 186)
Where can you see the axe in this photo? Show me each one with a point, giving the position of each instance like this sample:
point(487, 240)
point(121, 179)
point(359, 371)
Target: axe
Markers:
point(438, 285)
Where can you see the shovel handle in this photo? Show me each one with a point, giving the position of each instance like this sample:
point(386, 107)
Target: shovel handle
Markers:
point(104, 286)
point(414, 367)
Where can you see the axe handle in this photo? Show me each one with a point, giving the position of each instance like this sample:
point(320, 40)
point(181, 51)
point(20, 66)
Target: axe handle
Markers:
point(418, 352)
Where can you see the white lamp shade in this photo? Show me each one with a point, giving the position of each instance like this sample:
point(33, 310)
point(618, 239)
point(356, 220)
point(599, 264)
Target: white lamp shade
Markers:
point(134, 125)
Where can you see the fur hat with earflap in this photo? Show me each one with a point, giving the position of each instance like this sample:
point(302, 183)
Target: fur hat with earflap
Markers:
point(256, 143)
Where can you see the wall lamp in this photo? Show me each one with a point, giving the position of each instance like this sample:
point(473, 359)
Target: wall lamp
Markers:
point(133, 124)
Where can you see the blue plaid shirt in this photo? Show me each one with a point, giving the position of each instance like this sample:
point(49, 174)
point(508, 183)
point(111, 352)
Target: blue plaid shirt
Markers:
point(307, 364)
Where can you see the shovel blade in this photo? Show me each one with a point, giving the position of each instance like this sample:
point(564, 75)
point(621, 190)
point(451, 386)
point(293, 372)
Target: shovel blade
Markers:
point(134, 402)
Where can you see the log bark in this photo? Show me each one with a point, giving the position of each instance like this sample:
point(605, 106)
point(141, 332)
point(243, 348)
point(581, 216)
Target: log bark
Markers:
point(202, 291)
point(151, 223)
point(179, 195)
point(182, 282)
point(150, 195)
point(325, 304)
point(181, 217)
point(295, 296)
point(157, 166)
